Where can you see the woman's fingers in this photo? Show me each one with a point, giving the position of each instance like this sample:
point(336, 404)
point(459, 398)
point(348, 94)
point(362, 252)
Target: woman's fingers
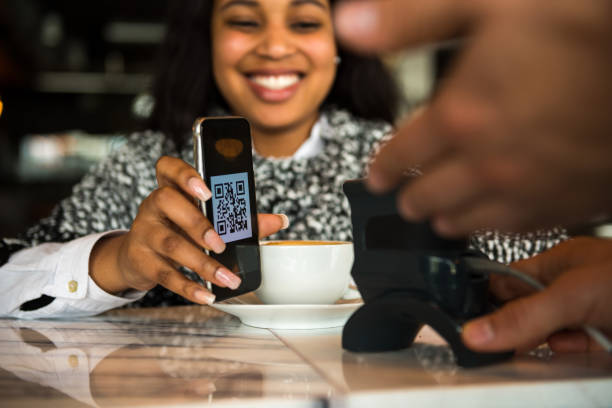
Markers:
point(174, 172)
point(271, 223)
point(172, 216)
point(168, 204)
point(176, 248)
point(191, 220)
point(180, 231)
point(166, 275)
point(171, 244)
point(170, 231)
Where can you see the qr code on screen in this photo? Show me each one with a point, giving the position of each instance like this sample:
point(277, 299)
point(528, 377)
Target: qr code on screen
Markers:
point(231, 206)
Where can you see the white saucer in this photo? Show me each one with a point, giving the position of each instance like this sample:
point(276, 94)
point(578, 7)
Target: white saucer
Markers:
point(290, 316)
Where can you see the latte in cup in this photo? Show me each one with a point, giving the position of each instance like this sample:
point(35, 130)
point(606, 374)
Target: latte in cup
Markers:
point(304, 272)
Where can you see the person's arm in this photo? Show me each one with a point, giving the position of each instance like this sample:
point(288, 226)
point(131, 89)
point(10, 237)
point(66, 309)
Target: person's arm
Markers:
point(153, 200)
point(52, 280)
point(169, 232)
point(105, 199)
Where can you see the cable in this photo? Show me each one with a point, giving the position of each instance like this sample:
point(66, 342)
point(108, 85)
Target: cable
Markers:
point(487, 266)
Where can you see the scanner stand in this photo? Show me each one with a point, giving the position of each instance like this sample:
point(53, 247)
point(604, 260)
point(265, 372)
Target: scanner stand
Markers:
point(410, 277)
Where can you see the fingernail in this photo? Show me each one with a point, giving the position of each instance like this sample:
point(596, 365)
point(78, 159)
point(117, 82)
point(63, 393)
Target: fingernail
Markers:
point(199, 188)
point(214, 241)
point(478, 332)
point(227, 278)
point(355, 18)
point(204, 296)
point(285, 219)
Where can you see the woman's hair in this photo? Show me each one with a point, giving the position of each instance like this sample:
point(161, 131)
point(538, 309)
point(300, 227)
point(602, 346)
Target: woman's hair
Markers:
point(185, 88)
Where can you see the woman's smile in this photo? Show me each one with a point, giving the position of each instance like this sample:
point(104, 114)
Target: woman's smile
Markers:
point(274, 86)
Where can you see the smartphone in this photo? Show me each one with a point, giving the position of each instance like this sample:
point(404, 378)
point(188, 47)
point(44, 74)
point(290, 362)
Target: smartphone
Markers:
point(223, 157)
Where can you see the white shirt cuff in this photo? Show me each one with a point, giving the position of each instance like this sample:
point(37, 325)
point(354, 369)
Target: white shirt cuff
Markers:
point(66, 269)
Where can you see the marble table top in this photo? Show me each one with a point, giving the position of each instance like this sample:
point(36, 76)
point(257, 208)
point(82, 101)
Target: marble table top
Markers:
point(197, 356)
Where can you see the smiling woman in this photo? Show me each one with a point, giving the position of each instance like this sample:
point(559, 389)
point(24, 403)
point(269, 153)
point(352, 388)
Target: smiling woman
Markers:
point(130, 226)
point(275, 62)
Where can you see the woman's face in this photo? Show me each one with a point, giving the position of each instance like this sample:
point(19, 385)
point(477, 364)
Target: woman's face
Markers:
point(273, 60)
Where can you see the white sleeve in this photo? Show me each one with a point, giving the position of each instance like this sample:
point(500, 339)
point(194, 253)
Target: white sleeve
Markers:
point(60, 271)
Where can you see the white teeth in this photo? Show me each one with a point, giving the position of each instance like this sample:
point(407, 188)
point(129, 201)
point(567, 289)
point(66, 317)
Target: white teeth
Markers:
point(275, 82)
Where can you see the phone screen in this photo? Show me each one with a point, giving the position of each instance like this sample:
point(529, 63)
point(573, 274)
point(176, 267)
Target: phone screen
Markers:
point(231, 206)
point(223, 157)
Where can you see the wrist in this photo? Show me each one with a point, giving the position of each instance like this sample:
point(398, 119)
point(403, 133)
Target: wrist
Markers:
point(104, 267)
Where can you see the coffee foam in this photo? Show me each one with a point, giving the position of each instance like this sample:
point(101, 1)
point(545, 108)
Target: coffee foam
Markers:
point(298, 243)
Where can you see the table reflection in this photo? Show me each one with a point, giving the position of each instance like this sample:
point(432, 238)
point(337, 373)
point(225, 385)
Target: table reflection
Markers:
point(197, 355)
point(149, 360)
point(426, 364)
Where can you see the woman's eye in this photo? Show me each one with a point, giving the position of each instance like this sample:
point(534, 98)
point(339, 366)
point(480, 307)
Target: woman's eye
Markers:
point(305, 26)
point(243, 24)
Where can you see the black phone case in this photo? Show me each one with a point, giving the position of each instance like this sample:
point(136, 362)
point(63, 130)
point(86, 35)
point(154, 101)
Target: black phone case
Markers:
point(211, 159)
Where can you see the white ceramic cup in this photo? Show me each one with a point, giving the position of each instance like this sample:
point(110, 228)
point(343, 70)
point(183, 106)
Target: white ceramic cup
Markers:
point(304, 272)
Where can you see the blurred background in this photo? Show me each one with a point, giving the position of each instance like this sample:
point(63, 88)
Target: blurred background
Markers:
point(74, 79)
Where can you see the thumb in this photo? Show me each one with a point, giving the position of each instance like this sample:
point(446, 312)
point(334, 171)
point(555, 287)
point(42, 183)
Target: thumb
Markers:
point(518, 324)
point(271, 223)
point(374, 25)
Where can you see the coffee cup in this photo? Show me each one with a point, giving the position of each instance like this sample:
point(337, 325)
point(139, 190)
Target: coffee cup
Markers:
point(304, 272)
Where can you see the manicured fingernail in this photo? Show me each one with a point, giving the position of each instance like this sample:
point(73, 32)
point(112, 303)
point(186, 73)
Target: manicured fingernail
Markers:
point(227, 278)
point(285, 219)
point(214, 241)
point(478, 332)
point(356, 18)
point(204, 296)
point(199, 188)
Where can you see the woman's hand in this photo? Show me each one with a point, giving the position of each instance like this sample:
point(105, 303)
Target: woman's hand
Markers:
point(169, 231)
point(578, 276)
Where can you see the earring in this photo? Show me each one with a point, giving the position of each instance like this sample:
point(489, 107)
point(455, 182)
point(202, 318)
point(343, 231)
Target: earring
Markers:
point(337, 60)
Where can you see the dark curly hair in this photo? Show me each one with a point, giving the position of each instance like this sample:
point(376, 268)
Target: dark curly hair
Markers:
point(184, 86)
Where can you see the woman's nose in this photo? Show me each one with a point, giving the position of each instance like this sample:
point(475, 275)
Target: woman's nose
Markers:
point(276, 43)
